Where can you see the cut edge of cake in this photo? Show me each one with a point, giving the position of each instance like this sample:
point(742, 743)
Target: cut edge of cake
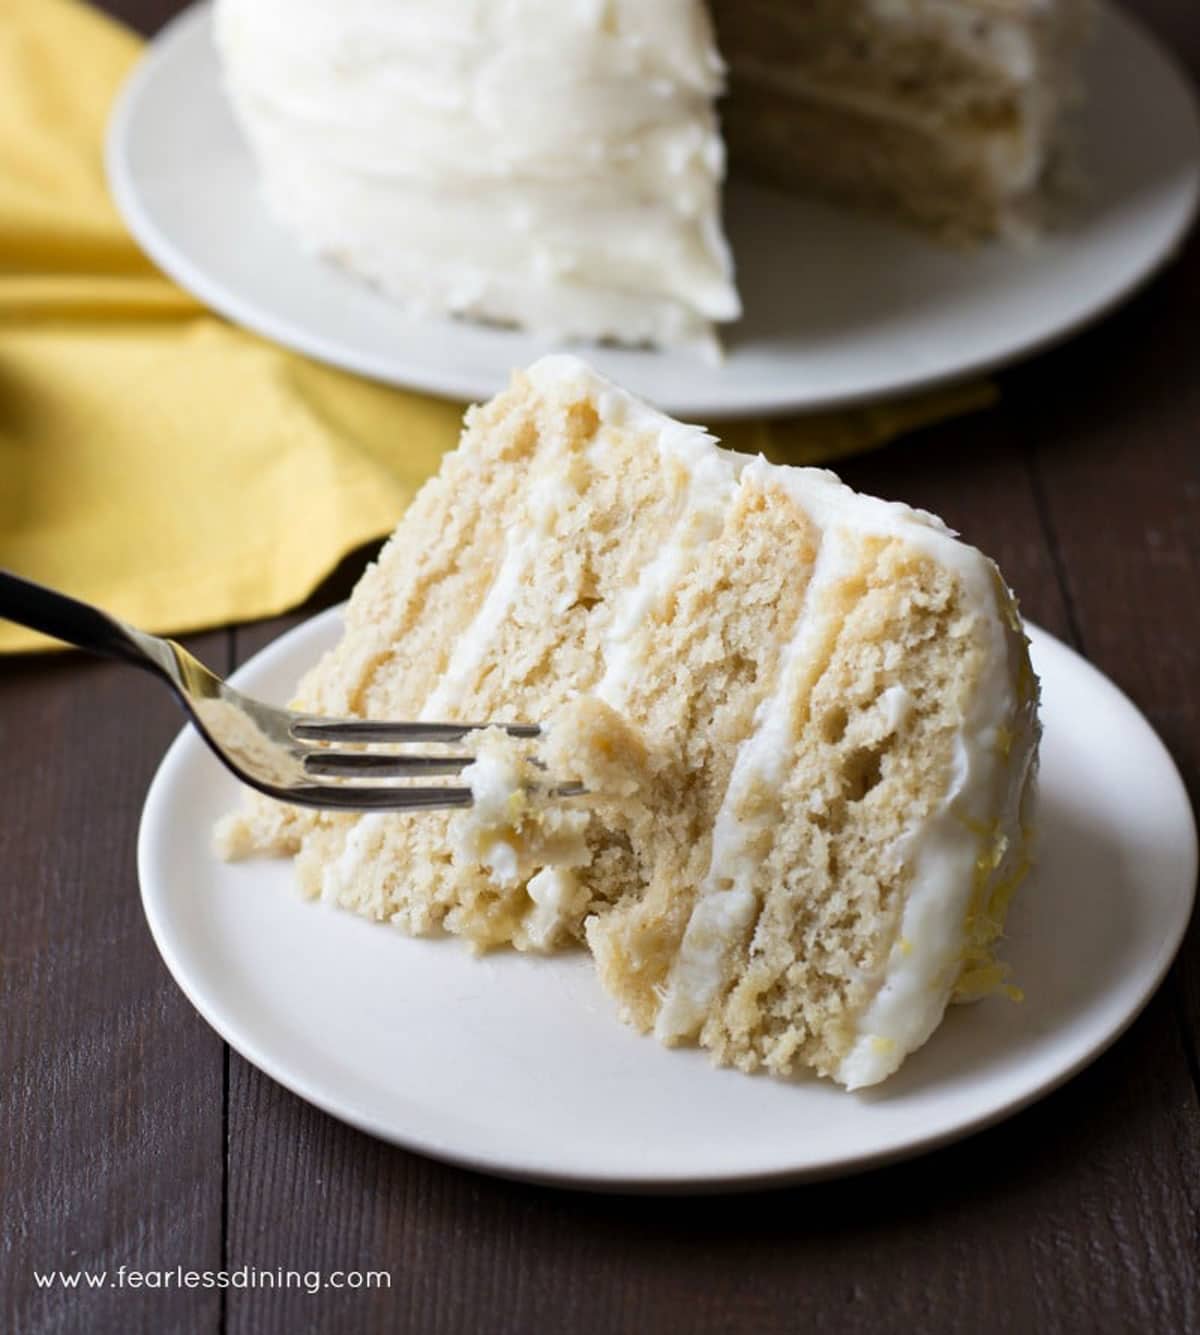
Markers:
point(957, 115)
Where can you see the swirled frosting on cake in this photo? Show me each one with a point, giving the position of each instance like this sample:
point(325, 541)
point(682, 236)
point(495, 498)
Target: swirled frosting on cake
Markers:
point(556, 166)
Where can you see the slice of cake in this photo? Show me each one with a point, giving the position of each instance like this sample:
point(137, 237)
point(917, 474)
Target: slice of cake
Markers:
point(951, 113)
point(805, 718)
point(555, 166)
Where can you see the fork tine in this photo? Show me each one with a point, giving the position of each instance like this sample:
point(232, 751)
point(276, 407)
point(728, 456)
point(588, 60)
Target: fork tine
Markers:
point(357, 797)
point(363, 764)
point(352, 797)
point(312, 728)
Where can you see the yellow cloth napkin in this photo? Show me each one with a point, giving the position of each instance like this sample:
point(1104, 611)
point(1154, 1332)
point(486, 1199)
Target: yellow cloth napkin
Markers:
point(162, 463)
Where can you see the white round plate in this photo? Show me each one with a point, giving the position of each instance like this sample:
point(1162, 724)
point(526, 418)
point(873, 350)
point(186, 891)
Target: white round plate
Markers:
point(839, 307)
point(518, 1065)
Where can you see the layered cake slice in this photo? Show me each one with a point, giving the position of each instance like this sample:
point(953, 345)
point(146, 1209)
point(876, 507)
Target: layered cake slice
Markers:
point(805, 719)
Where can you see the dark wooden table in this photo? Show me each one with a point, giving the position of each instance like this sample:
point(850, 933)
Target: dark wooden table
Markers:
point(130, 1135)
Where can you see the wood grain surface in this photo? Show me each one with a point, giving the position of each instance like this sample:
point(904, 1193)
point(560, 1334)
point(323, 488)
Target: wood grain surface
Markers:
point(130, 1135)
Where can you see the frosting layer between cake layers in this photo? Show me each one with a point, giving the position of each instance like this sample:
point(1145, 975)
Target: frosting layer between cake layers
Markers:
point(556, 166)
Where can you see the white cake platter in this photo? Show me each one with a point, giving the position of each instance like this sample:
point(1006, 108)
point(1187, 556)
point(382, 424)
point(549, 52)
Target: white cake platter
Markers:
point(840, 308)
point(518, 1066)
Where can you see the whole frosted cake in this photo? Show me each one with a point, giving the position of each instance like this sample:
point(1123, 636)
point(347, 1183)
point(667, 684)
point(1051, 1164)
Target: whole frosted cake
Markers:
point(558, 165)
point(805, 718)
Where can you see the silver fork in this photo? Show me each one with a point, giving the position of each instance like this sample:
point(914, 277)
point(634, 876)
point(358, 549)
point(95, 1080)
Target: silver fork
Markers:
point(279, 752)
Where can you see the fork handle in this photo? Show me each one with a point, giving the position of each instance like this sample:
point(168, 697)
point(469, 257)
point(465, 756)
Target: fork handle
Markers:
point(86, 627)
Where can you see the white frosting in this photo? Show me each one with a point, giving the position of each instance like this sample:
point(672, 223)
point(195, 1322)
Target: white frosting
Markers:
point(495, 777)
point(496, 780)
point(558, 897)
point(555, 166)
point(896, 705)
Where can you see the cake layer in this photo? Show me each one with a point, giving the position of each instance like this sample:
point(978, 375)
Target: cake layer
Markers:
point(934, 60)
point(805, 719)
point(946, 184)
point(556, 167)
point(951, 112)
